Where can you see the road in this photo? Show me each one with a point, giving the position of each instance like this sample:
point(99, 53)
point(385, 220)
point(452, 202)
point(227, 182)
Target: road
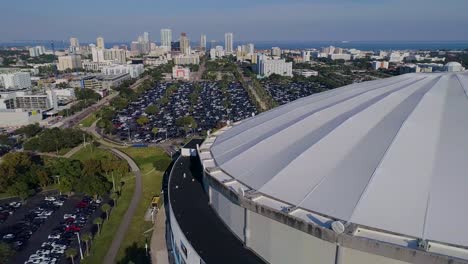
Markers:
point(197, 76)
point(120, 234)
point(247, 83)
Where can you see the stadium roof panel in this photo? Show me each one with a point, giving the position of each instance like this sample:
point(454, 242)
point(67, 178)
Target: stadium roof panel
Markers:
point(389, 154)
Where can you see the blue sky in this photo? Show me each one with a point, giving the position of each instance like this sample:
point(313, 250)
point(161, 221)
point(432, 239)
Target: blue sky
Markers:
point(255, 20)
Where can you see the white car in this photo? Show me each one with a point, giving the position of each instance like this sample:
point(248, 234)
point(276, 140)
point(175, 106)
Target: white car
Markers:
point(58, 246)
point(50, 198)
point(57, 251)
point(54, 236)
point(58, 203)
point(66, 216)
point(8, 236)
point(15, 204)
point(43, 252)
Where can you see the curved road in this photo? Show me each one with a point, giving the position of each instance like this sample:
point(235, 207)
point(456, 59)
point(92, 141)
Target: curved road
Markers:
point(119, 236)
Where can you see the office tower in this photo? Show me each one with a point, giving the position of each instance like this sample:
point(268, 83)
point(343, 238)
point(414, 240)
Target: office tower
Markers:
point(166, 38)
point(228, 42)
point(184, 44)
point(146, 37)
point(100, 43)
point(203, 42)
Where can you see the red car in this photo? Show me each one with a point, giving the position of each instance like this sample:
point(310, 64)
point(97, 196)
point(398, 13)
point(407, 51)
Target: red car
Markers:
point(82, 205)
point(72, 228)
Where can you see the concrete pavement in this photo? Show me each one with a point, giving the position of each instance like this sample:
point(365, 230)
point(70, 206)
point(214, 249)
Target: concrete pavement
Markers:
point(158, 247)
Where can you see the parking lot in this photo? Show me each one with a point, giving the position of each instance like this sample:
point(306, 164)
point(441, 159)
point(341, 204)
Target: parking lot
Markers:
point(285, 93)
point(43, 228)
point(212, 109)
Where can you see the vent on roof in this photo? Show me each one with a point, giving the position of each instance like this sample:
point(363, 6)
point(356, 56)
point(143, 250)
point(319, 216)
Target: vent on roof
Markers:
point(338, 227)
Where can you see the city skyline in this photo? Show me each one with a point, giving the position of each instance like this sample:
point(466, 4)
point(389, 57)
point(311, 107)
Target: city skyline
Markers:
point(258, 21)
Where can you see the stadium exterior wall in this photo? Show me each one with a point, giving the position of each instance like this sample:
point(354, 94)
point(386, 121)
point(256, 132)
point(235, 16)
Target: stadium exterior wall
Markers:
point(281, 238)
point(278, 237)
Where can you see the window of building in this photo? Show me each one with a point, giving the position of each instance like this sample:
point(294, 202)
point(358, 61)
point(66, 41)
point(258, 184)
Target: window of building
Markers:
point(184, 249)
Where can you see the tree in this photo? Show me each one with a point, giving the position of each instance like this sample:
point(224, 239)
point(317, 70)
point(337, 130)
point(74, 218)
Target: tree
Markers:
point(87, 237)
point(20, 189)
point(71, 253)
point(43, 177)
point(29, 130)
point(5, 252)
point(114, 196)
point(98, 221)
point(106, 208)
point(143, 120)
point(152, 110)
point(155, 131)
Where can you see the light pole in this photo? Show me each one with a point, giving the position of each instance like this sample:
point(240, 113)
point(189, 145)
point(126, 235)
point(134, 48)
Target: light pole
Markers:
point(58, 182)
point(79, 244)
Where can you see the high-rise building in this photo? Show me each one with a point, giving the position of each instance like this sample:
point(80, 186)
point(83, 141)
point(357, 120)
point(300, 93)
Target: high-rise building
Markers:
point(97, 53)
point(228, 42)
point(36, 51)
point(276, 52)
point(74, 45)
point(166, 38)
point(74, 42)
point(146, 37)
point(184, 44)
point(100, 43)
point(69, 62)
point(203, 42)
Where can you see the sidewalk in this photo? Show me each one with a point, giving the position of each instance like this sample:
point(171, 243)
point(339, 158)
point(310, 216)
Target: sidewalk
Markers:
point(158, 240)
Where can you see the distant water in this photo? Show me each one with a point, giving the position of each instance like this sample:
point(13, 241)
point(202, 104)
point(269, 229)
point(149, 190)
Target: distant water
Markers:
point(361, 45)
point(367, 45)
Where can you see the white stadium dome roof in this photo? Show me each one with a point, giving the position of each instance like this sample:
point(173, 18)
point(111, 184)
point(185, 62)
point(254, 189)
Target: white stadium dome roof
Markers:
point(390, 154)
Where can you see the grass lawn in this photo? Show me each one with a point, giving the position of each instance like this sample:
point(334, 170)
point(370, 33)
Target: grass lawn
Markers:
point(102, 242)
point(132, 248)
point(89, 120)
point(91, 152)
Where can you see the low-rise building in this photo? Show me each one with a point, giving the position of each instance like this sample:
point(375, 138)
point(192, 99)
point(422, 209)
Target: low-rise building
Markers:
point(15, 80)
point(306, 72)
point(186, 59)
point(267, 66)
point(379, 65)
point(89, 65)
point(113, 81)
point(135, 70)
point(180, 73)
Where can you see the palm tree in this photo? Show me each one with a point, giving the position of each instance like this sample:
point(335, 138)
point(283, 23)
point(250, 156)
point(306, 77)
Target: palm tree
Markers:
point(71, 253)
point(106, 208)
point(98, 222)
point(87, 237)
point(114, 196)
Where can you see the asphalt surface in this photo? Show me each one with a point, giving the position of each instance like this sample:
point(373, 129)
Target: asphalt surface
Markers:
point(207, 234)
point(123, 227)
point(40, 236)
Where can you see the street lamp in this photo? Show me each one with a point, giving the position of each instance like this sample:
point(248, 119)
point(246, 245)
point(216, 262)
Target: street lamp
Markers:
point(79, 244)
